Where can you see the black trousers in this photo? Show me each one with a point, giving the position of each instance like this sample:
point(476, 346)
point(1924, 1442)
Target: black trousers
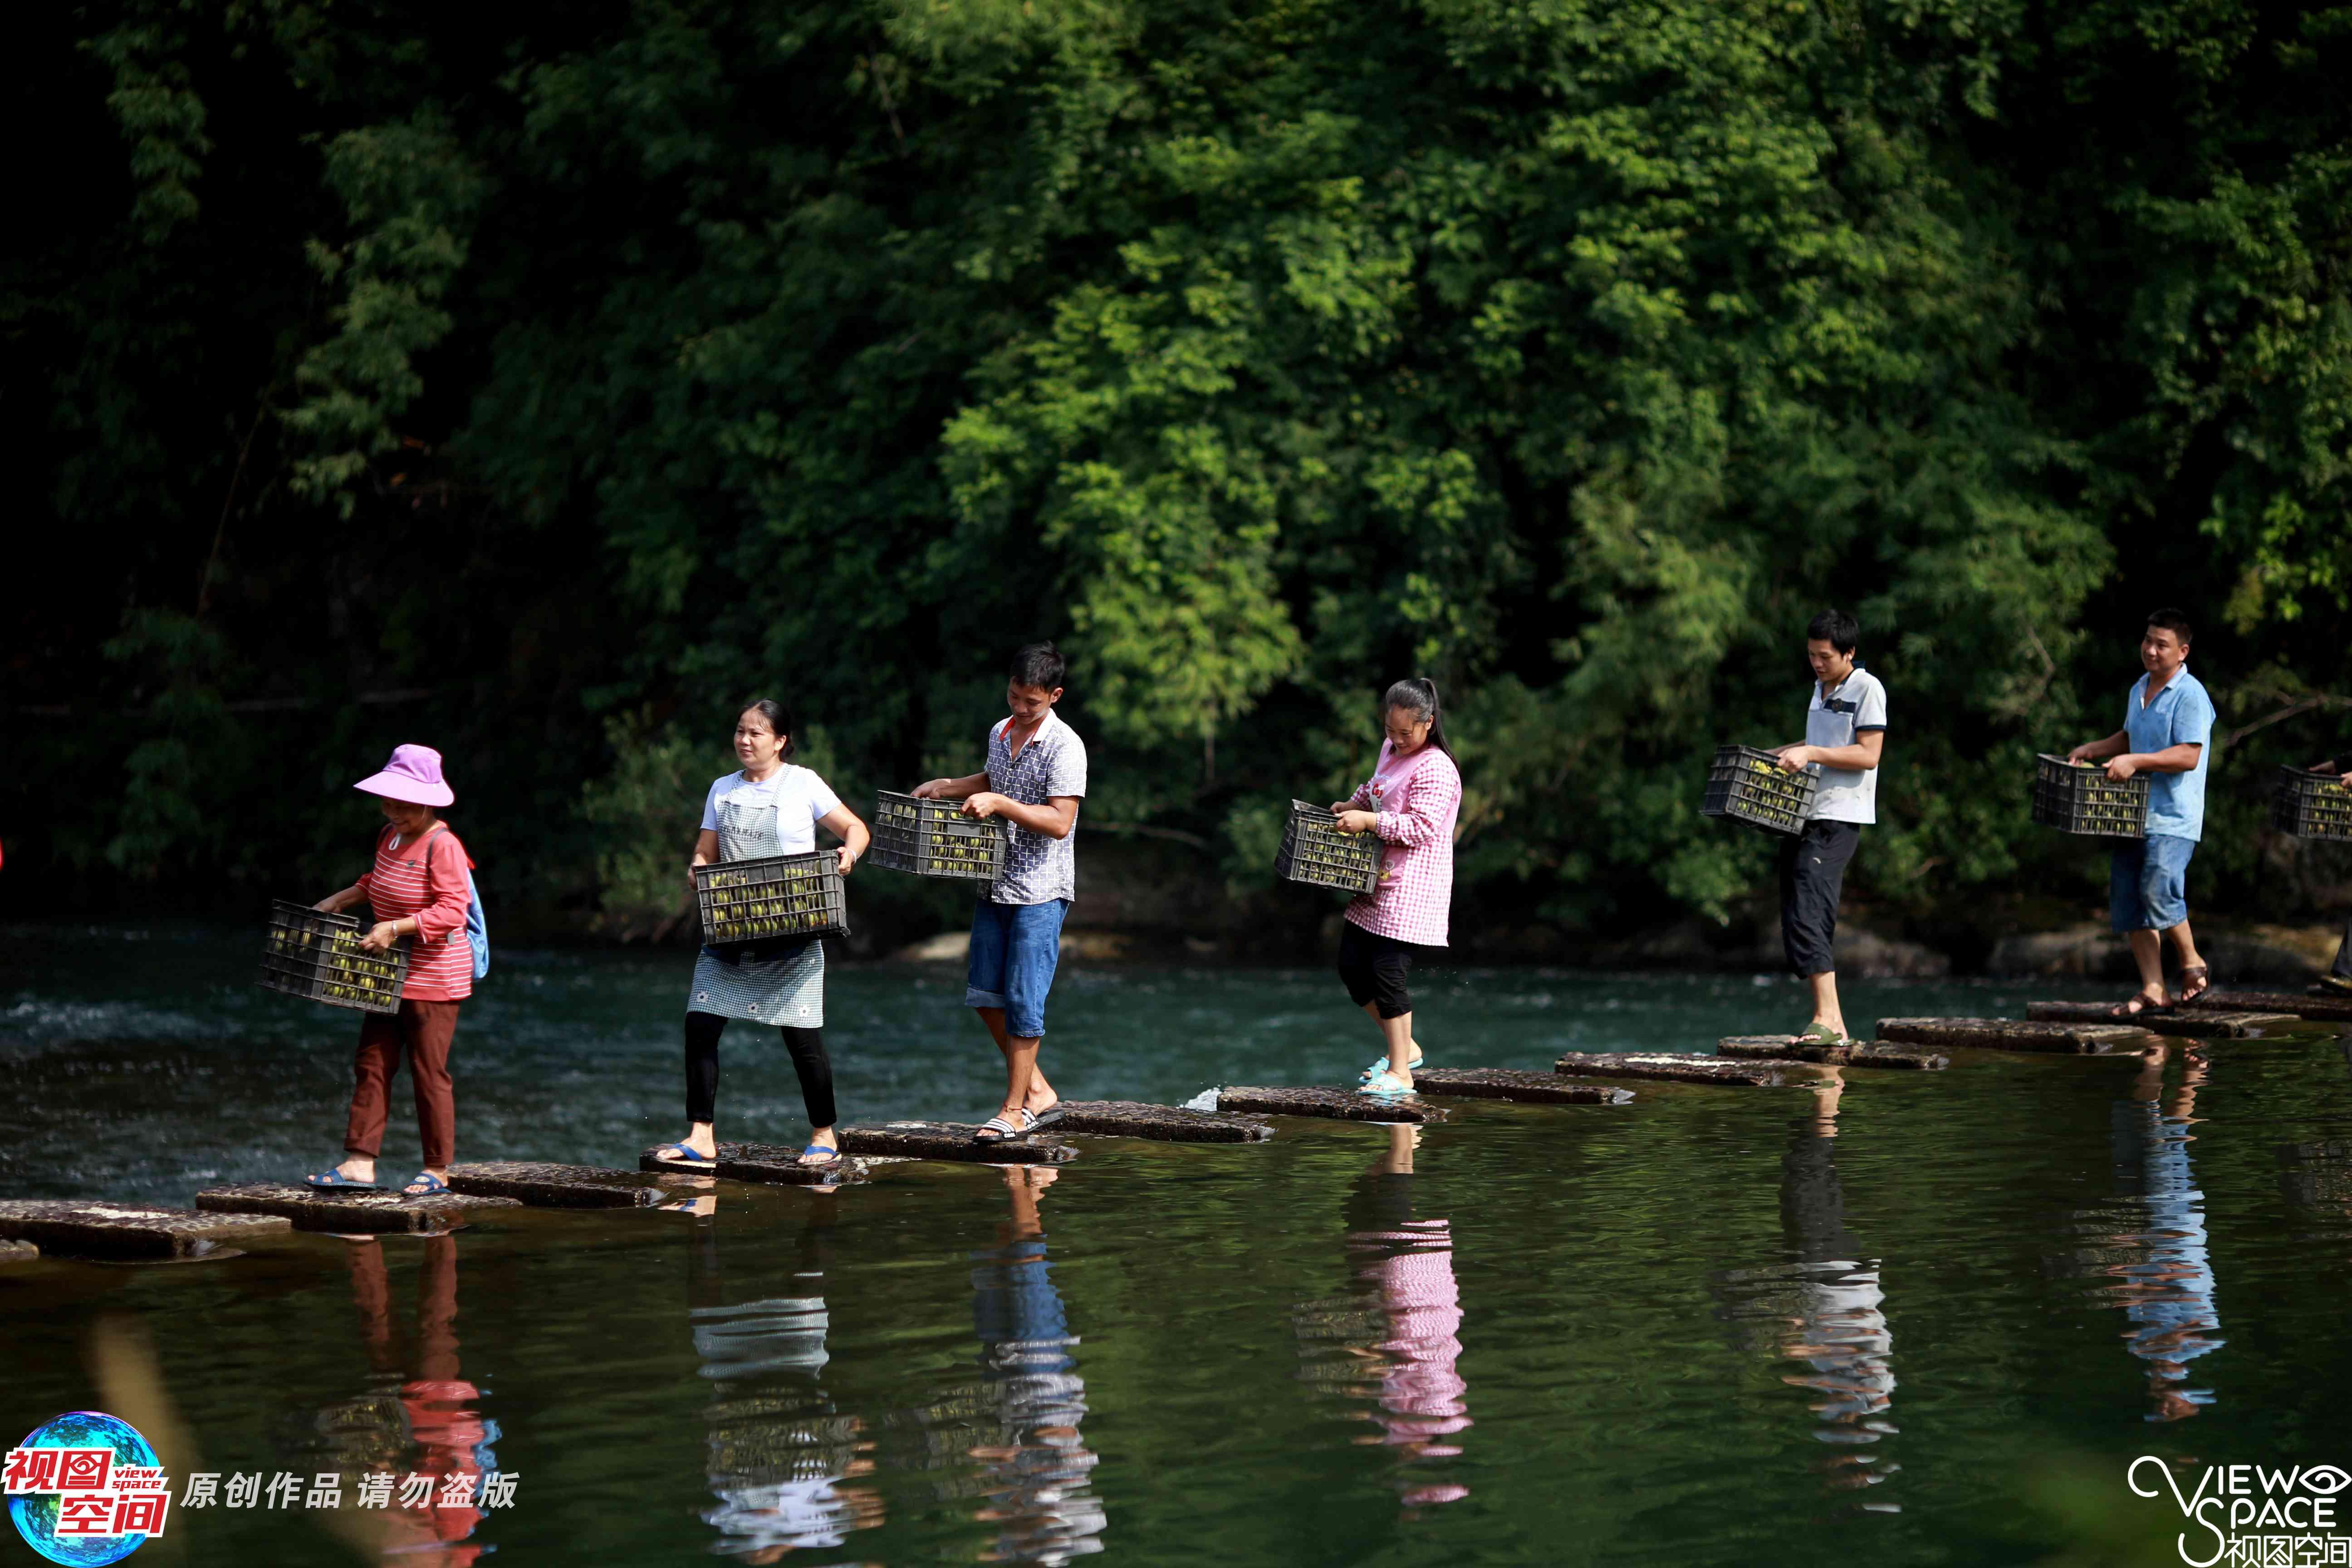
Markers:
point(2343, 970)
point(1372, 967)
point(809, 1061)
point(1812, 878)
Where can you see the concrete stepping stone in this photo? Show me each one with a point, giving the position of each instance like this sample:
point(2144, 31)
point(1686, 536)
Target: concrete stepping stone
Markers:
point(2048, 1037)
point(768, 1164)
point(1848, 1053)
point(2321, 1009)
point(2195, 1023)
point(87, 1228)
point(550, 1187)
point(1334, 1104)
point(19, 1252)
point(952, 1140)
point(1679, 1066)
point(1162, 1123)
point(348, 1213)
point(1506, 1083)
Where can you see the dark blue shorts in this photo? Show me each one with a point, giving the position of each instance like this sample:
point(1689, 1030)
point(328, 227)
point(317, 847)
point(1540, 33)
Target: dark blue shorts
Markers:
point(2148, 883)
point(1015, 948)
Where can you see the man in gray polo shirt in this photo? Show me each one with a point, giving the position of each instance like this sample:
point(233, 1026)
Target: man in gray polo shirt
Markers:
point(1845, 730)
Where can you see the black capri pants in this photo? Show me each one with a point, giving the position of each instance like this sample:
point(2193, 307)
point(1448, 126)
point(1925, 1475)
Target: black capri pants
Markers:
point(1372, 967)
point(809, 1061)
point(1812, 878)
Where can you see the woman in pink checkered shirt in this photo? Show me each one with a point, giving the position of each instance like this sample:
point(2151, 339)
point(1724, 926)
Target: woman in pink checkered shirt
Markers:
point(1414, 798)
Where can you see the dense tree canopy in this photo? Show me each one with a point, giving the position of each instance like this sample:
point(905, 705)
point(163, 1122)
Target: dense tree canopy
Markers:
point(542, 382)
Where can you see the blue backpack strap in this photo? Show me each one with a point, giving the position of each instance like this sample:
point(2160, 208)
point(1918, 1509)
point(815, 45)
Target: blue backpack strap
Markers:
point(478, 928)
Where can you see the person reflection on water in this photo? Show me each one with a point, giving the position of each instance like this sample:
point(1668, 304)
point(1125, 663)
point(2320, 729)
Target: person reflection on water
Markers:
point(1837, 1326)
point(1036, 1468)
point(2165, 1289)
point(1411, 1333)
point(445, 1436)
point(779, 1451)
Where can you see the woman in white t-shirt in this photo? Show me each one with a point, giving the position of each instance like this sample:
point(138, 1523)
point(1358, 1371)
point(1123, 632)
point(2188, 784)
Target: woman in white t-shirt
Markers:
point(768, 807)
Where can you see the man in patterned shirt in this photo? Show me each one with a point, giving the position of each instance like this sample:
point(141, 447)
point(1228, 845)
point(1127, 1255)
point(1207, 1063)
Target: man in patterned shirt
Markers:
point(1037, 775)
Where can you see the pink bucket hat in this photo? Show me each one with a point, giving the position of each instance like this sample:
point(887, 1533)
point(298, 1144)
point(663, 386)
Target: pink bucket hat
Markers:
point(413, 775)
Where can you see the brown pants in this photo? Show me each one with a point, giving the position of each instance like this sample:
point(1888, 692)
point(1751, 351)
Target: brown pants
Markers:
point(425, 1028)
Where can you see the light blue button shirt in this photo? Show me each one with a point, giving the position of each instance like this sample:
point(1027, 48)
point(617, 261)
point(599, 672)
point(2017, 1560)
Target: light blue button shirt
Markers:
point(2181, 715)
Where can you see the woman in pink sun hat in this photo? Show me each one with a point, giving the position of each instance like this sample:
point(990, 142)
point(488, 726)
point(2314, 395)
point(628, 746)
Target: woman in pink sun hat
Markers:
point(419, 889)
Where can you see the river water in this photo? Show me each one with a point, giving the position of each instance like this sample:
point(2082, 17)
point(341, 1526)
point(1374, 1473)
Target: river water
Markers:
point(1923, 1319)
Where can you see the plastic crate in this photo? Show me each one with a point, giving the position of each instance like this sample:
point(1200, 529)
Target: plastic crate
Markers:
point(2313, 806)
point(1748, 785)
point(934, 838)
point(2079, 797)
point(316, 955)
point(774, 897)
point(1314, 851)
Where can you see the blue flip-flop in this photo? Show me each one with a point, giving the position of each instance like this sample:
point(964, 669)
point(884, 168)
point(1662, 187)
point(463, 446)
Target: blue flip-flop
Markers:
point(682, 1154)
point(831, 1156)
point(332, 1180)
point(431, 1185)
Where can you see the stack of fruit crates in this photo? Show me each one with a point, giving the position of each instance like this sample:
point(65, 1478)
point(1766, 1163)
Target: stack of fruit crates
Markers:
point(1748, 785)
point(1314, 851)
point(316, 955)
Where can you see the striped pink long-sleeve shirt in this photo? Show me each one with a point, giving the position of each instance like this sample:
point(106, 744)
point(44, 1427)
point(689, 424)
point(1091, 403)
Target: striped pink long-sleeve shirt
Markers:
point(1418, 798)
point(427, 880)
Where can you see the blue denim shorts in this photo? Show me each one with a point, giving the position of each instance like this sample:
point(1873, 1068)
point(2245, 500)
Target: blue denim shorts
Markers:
point(2148, 883)
point(1015, 948)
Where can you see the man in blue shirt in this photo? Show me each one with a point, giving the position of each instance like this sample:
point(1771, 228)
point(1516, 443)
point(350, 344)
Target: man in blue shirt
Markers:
point(2166, 734)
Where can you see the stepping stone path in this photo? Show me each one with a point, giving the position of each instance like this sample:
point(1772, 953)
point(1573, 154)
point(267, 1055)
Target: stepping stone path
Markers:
point(2196, 1023)
point(2012, 1035)
point(1337, 1104)
point(768, 1164)
point(81, 1228)
point(1166, 1124)
point(1677, 1067)
point(952, 1140)
point(1502, 1083)
point(349, 1213)
point(19, 1252)
point(550, 1187)
point(2322, 1009)
point(1848, 1053)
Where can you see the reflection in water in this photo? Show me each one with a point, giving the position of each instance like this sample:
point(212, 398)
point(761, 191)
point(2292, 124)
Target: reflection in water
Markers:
point(419, 1418)
point(1826, 1305)
point(2156, 1254)
point(1394, 1342)
point(779, 1452)
point(1036, 1466)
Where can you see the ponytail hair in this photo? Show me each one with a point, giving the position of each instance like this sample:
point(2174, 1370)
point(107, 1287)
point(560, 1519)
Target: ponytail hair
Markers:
point(1417, 695)
point(779, 721)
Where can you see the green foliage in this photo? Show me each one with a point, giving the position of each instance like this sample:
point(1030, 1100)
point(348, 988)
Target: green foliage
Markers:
point(410, 194)
point(1261, 351)
point(644, 826)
